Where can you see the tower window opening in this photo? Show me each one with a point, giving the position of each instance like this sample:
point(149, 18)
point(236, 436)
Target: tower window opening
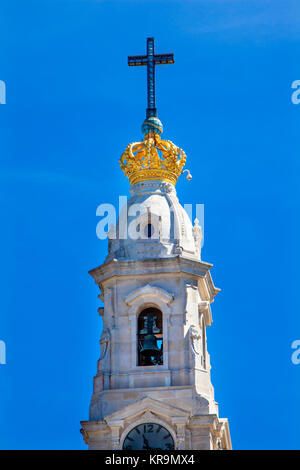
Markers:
point(150, 337)
point(149, 230)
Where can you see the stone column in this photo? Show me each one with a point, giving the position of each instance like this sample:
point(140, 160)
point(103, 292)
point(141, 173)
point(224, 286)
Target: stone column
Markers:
point(115, 438)
point(180, 424)
point(115, 427)
point(180, 432)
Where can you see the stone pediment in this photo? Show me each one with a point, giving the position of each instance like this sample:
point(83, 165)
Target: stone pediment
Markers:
point(149, 291)
point(148, 408)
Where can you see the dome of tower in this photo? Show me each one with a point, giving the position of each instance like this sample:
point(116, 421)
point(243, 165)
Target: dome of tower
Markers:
point(153, 224)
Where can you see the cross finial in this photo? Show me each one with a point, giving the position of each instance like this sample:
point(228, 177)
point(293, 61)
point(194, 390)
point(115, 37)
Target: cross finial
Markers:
point(151, 60)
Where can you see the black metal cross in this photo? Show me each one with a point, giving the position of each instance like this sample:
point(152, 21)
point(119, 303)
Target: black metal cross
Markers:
point(151, 60)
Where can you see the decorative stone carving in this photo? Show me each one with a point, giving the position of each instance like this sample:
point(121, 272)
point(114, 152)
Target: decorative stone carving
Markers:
point(152, 186)
point(85, 436)
point(178, 250)
point(148, 416)
point(115, 437)
point(180, 434)
point(104, 343)
point(108, 308)
point(195, 338)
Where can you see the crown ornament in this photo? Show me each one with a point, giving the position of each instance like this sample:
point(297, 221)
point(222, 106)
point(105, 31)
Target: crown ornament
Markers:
point(153, 158)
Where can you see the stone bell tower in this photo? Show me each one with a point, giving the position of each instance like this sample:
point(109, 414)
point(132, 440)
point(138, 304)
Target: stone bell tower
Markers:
point(152, 389)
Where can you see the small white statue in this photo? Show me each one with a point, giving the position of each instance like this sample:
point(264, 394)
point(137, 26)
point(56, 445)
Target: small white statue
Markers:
point(197, 232)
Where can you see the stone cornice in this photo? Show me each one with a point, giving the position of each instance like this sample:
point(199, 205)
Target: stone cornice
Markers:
point(176, 264)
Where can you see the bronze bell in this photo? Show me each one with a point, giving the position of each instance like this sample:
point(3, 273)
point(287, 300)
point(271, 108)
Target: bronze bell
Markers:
point(150, 346)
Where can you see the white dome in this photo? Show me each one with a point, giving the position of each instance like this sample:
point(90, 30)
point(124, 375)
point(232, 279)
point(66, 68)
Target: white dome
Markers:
point(152, 225)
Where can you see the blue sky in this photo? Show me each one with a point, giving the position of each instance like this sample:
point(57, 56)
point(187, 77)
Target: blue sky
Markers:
point(73, 105)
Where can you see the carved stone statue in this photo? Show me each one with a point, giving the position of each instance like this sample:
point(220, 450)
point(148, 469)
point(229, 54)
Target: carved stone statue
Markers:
point(197, 232)
point(104, 343)
point(195, 337)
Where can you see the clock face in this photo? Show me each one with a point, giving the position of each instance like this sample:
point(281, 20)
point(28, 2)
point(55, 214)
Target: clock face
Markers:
point(148, 436)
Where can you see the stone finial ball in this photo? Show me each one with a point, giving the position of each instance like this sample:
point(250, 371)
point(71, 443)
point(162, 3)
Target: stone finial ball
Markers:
point(152, 125)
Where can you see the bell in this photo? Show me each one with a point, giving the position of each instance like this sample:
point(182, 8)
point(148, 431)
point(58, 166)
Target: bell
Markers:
point(150, 347)
point(150, 325)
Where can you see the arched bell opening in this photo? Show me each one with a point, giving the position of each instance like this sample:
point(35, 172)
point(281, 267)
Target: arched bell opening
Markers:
point(150, 337)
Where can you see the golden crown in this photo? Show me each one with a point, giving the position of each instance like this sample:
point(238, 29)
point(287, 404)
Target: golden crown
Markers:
point(153, 158)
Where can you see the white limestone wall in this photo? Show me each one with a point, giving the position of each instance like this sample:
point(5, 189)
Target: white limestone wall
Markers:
point(181, 379)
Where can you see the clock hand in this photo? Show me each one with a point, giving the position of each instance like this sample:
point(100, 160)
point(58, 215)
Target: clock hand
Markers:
point(146, 443)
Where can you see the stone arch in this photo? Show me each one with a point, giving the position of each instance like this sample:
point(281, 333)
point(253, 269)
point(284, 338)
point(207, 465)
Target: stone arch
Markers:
point(142, 298)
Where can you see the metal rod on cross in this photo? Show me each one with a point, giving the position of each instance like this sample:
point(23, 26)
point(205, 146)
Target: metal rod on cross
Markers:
point(151, 60)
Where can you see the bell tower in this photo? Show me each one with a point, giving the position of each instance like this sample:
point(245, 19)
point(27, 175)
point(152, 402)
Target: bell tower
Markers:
point(152, 389)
